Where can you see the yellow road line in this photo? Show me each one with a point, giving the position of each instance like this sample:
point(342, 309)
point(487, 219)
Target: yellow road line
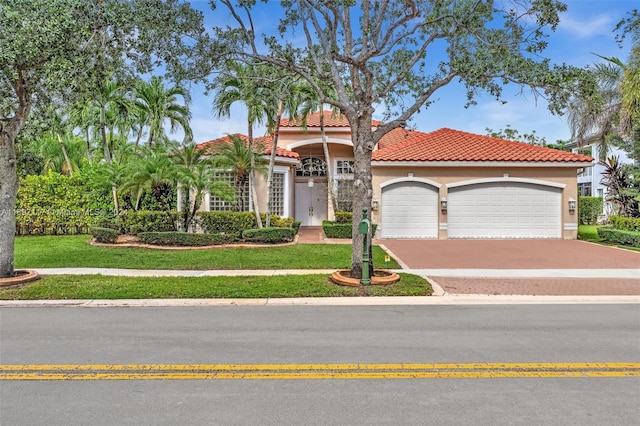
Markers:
point(298, 367)
point(314, 371)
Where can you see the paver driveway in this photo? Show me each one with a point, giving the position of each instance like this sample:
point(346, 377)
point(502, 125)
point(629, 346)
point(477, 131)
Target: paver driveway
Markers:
point(510, 254)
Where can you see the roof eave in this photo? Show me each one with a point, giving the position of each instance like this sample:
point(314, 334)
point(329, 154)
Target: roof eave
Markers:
point(481, 164)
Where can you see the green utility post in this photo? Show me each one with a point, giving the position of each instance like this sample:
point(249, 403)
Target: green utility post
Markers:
point(363, 229)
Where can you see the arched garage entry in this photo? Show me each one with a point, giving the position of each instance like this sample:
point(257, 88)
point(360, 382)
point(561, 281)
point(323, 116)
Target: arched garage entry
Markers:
point(505, 209)
point(409, 209)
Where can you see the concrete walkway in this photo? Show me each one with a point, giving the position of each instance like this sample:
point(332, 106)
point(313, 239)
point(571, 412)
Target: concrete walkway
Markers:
point(440, 297)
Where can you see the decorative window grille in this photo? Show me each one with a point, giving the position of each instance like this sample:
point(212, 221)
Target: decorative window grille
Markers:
point(344, 167)
point(312, 167)
point(241, 202)
point(277, 194)
point(344, 194)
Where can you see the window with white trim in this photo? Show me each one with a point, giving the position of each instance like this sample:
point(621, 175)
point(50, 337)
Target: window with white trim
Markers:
point(277, 194)
point(241, 202)
point(344, 167)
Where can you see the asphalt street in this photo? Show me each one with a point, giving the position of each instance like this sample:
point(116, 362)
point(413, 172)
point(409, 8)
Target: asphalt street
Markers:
point(596, 346)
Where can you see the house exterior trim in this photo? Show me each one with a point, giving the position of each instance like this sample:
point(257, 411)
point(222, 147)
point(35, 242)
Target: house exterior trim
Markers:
point(506, 179)
point(410, 179)
point(480, 164)
point(298, 144)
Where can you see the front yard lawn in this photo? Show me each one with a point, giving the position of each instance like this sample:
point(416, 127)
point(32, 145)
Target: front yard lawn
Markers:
point(86, 287)
point(74, 251)
point(588, 233)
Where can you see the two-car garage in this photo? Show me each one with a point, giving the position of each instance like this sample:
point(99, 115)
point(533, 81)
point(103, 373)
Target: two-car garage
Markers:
point(475, 209)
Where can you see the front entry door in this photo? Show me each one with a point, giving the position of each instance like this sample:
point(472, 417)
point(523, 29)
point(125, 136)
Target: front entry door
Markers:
point(311, 203)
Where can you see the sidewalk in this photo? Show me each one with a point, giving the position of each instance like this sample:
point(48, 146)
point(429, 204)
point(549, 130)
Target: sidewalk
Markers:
point(440, 296)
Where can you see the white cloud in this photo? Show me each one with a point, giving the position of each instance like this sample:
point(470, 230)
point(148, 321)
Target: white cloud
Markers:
point(599, 25)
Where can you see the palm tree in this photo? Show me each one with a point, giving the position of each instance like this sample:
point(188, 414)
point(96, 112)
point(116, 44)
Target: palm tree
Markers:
point(286, 91)
point(241, 159)
point(311, 103)
point(152, 171)
point(195, 173)
point(242, 84)
point(612, 116)
point(156, 104)
point(61, 152)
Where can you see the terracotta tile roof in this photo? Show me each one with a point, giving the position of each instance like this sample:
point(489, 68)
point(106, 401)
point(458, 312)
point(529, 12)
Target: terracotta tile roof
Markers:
point(454, 145)
point(331, 119)
point(264, 142)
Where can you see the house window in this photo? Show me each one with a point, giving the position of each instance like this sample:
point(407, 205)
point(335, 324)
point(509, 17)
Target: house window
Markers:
point(584, 171)
point(344, 194)
point(600, 192)
point(584, 189)
point(277, 194)
point(241, 202)
point(312, 167)
point(344, 167)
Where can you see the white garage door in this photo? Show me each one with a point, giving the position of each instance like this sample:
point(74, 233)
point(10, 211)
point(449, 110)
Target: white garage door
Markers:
point(504, 210)
point(409, 210)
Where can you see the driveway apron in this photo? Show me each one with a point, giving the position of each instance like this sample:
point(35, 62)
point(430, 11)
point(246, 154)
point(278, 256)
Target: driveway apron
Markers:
point(553, 258)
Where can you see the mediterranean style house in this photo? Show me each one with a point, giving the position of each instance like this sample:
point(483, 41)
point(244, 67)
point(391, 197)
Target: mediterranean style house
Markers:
point(442, 184)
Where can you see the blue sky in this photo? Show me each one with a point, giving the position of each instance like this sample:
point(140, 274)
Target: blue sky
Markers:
point(586, 28)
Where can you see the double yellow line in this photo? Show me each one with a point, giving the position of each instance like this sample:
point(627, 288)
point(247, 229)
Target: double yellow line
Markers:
point(315, 371)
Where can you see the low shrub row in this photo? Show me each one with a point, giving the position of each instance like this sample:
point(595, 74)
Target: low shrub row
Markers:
point(104, 235)
point(625, 223)
point(271, 235)
point(184, 239)
point(618, 236)
point(341, 230)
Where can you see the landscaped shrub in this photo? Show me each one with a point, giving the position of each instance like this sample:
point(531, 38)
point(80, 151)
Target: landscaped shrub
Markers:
point(271, 235)
point(619, 236)
point(133, 222)
point(277, 221)
point(589, 208)
point(341, 230)
point(625, 223)
point(296, 226)
point(58, 204)
point(230, 223)
point(344, 217)
point(186, 239)
point(104, 235)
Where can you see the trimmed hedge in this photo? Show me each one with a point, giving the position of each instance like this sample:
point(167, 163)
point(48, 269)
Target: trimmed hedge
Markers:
point(344, 217)
point(133, 222)
point(186, 239)
point(105, 235)
point(589, 208)
point(625, 223)
point(341, 230)
point(619, 236)
point(277, 221)
point(271, 235)
point(230, 223)
point(55, 204)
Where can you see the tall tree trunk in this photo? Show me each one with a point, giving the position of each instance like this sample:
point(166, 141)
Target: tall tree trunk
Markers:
point(362, 190)
point(252, 183)
point(89, 156)
point(272, 160)
point(8, 195)
point(325, 148)
point(67, 160)
point(103, 135)
point(9, 176)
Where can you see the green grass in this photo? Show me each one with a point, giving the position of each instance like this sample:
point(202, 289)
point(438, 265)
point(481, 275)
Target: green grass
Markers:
point(588, 233)
point(106, 287)
point(74, 251)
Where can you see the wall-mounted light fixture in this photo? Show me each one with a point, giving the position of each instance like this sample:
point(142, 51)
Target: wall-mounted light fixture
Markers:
point(443, 204)
point(310, 183)
point(375, 204)
point(572, 205)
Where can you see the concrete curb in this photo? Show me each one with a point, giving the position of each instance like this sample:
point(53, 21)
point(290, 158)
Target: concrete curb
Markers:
point(448, 299)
